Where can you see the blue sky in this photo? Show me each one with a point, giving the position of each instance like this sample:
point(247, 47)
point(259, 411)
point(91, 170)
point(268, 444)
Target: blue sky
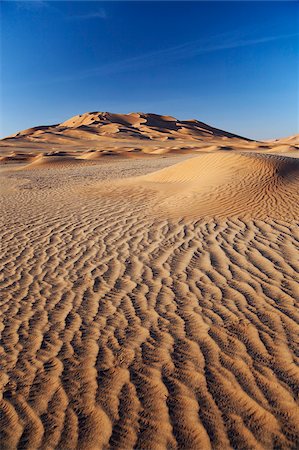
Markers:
point(233, 65)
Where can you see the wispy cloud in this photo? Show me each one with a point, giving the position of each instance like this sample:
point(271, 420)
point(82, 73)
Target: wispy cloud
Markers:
point(35, 5)
point(99, 14)
point(183, 51)
point(40, 5)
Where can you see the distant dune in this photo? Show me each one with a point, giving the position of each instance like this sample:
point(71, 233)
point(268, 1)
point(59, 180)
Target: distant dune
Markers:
point(96, 125)
point(91, 136)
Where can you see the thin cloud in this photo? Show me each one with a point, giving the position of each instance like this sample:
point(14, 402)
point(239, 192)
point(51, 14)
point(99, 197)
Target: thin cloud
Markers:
point(183, 51)
point(171, 54)
point(39, 5)
point(35, 5)
point(99, 14)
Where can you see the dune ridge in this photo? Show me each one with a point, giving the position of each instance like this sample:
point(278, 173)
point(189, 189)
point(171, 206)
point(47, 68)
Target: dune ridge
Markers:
point(222, 184)
point(124, 326)
point(141, 125)
point(94, 135)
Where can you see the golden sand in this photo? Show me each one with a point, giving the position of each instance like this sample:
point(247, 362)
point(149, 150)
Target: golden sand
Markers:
point(150, 303)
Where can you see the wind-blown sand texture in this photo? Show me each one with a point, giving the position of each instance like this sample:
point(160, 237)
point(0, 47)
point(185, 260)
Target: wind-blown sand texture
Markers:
point(155, 312)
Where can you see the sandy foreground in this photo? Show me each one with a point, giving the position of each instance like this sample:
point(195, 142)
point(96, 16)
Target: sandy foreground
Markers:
point(150, 303)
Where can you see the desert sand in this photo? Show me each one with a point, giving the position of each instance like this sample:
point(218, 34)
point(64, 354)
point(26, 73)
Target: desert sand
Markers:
point(94, 135)
point(149, 294)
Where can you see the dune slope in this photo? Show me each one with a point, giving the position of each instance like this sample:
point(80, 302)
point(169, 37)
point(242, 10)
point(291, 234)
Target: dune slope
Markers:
point(103, 132)
point(93, 135)
point(138, 125)
point(226, 184)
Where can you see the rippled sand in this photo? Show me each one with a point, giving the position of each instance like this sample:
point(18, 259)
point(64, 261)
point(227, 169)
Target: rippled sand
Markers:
point(156, 312)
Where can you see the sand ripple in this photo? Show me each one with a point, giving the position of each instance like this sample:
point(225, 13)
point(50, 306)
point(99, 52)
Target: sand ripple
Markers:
point(126, 331)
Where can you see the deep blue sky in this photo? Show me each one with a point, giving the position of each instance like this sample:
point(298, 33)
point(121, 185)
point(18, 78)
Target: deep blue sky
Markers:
point(233, 65)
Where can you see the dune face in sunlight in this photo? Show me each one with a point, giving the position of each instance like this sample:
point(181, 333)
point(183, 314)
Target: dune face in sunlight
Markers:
point(91, 136)
point(138, 125)
point(222, 184)
point(147, 303)
point(94, 135)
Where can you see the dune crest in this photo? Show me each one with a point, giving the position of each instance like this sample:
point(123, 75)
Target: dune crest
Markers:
point(227, 184)
point(94, 134)
point(95, 130)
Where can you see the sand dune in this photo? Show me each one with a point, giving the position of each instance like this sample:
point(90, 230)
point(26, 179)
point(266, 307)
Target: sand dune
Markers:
point(222, 184)
point(44, 161)
point(156, 312)
point(290, 139)
point(144, 126)
point(94, 134)
point(96, 130)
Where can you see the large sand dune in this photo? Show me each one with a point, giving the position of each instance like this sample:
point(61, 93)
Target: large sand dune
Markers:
point(140, 125)
point(96, 134)
point(157, 312)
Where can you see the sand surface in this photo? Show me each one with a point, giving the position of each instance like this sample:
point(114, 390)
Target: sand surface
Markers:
point(150, 303)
